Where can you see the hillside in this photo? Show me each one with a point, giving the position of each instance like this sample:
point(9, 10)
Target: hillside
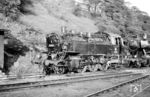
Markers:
point(30, 20)
point(112, 16)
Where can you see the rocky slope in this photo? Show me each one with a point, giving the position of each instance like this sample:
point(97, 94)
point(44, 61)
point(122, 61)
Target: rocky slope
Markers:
point(30, 20)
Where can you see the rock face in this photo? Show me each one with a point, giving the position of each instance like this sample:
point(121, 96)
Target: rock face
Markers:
point(13, 49)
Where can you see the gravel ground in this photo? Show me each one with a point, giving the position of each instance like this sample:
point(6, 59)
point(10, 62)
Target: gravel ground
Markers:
point(73, 90)
point(145, 93)
point(68, 90)
point(130, 90)
point(141, 70)
point(55, 77)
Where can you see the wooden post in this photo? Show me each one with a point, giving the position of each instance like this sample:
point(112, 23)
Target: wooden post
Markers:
point(1, 49)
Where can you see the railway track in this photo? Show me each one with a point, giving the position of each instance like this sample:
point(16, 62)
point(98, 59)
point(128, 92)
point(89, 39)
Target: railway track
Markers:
point(14, 77)
point(43, 83)
point(135, 95)
point(144, 91)
point(116, 86)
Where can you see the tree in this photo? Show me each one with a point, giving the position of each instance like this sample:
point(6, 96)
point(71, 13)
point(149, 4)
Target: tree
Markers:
point(13, 8)
point(10, 8)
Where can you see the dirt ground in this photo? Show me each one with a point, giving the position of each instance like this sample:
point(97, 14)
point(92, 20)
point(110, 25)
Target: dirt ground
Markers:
point(131, 90)
point(54, 77)
point(145, 93)
point(68, 90)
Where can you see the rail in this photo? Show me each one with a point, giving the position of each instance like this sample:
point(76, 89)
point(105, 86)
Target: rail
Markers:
point(98, 93)
point(42, 83)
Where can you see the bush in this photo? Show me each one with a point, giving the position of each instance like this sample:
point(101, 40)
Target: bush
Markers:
point(24, 66)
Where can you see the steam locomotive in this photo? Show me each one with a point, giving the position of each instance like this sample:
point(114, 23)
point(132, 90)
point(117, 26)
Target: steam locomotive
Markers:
point(79, 52)
point(139, 48)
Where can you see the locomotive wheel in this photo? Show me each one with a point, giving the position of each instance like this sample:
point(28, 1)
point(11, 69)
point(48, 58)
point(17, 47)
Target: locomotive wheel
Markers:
point(92, 68)
point(98, 67)
point(79, 70)
point(137, 64)
point(48, 70)
point(85, 68)
point(59, 70)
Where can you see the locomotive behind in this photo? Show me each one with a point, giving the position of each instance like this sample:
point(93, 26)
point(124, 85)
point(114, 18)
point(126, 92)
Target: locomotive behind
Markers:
point(139, 48)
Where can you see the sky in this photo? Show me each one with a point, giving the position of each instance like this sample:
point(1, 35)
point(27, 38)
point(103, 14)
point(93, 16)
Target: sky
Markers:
point(143, 5)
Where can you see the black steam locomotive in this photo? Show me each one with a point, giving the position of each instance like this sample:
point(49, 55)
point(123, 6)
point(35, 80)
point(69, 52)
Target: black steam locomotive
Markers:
point(77, 53)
